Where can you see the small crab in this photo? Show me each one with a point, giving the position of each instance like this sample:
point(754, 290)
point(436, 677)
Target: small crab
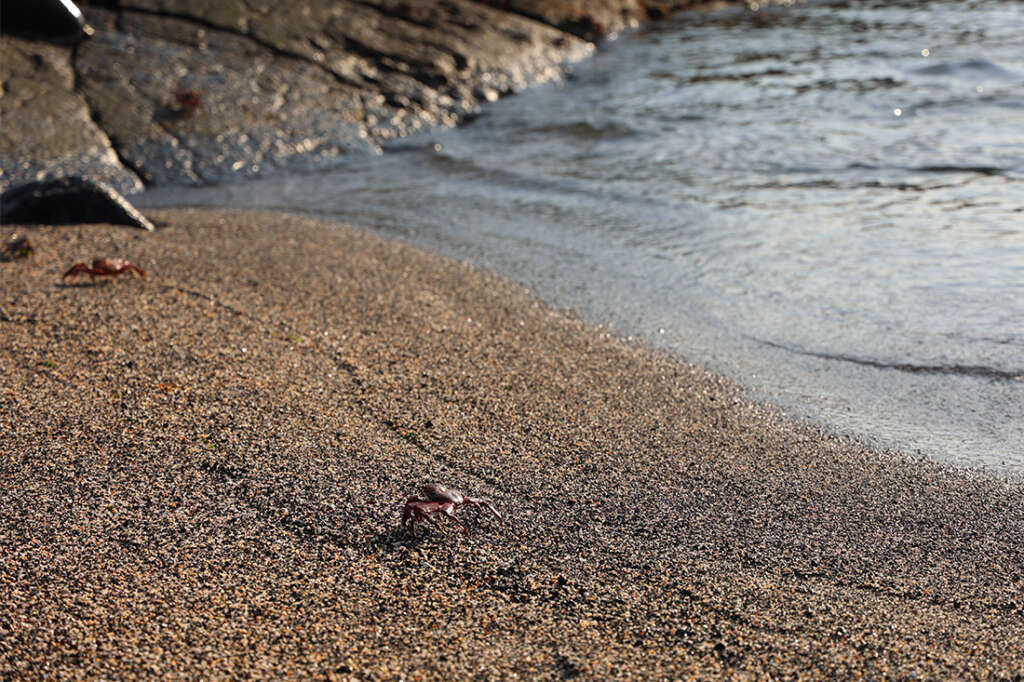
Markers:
point(17, 246)
point(418, 511)
point(105, 267)
point(188, 100)
point(437, 499)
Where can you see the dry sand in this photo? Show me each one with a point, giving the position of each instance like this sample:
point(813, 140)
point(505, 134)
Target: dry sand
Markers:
point(203, 474)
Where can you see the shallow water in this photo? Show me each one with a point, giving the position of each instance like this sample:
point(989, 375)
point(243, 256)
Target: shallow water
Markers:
point(825, 202)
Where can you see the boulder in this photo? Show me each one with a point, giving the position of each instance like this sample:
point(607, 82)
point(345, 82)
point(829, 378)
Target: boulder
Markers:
point(70, 200)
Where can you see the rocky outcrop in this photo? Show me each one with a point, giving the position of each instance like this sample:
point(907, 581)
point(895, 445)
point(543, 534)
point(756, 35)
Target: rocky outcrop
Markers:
point(186, 91)
point(47, 128)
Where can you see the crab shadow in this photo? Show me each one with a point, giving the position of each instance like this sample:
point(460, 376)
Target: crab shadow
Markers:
point(399, 538)
point(82, 284)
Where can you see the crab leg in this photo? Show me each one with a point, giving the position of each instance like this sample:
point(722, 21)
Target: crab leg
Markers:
point(476, 502)
point(421, 517)
point(448, 509)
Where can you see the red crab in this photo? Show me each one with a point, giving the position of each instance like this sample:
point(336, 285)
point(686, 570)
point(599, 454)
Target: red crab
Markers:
point(105, 267)
point(418, 511)
point(188, 100)
point(441, 500)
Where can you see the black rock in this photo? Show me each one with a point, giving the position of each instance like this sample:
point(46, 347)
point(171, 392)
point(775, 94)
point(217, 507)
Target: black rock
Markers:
point(68, 201)
point(58, 21)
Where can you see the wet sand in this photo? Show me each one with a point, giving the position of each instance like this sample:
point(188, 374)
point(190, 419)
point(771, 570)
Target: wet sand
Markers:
point(204, 472)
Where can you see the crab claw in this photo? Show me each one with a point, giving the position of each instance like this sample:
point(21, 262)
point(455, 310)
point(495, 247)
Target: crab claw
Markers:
point(484, 503)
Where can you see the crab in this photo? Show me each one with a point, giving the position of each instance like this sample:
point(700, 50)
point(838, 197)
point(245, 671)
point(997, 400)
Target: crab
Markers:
point(418, 511)
point(439, 493)
point(17, 246)
point(105, 267)
point(188, 100)
point(437, 499)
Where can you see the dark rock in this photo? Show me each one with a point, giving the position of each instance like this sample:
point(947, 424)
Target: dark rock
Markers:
point(58, 21)
point(291, 87)
point(68, 201)
point(48, 130)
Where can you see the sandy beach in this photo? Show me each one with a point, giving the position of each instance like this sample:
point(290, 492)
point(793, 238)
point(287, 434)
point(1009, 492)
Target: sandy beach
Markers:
point(204, 473)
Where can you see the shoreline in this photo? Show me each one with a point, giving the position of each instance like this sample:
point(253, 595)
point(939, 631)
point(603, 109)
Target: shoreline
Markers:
point(433, 234)
point(213, 461)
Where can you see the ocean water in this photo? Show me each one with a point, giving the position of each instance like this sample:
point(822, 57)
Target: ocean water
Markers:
point(823, 201)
